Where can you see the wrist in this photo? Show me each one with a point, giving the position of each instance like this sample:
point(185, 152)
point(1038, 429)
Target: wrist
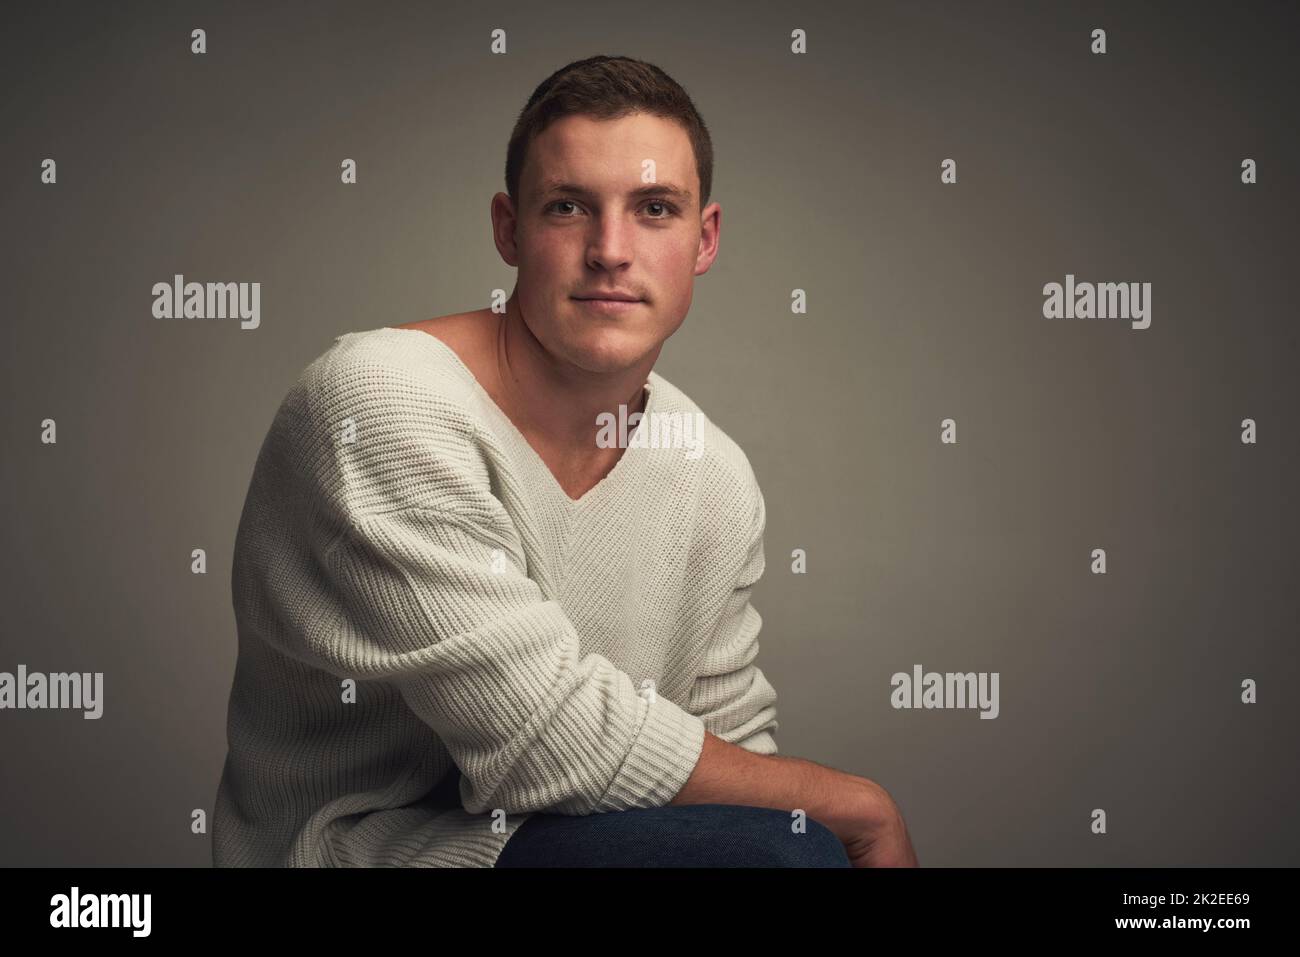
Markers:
point(873, 808)
point(856, 806)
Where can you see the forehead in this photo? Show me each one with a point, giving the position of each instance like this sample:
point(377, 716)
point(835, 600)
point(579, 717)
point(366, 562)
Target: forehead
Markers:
point(610, 153)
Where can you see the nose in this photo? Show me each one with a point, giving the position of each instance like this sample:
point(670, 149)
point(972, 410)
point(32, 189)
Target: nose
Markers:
point(609, 246)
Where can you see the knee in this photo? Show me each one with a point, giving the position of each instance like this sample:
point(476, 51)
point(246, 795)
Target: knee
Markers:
point(776, 844)
point(816, 847)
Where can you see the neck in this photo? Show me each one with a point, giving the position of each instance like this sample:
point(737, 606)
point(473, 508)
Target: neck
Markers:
point(552, 398)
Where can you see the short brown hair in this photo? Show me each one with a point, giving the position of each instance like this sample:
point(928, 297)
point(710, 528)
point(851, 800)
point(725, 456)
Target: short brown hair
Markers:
point(608, 87)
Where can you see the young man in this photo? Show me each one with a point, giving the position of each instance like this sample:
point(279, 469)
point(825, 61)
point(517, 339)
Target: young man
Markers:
point(473, 631)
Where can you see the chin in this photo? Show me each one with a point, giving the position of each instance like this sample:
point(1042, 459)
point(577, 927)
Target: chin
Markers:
point(607, 350)
point(607, 360)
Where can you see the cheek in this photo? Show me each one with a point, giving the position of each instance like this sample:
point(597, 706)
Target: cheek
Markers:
point(543, 255)
point(541, 245)
point(546, 265)
point(675, 270)
point(671, 262)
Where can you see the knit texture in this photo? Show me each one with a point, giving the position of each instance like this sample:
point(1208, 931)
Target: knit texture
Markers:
point(435, 641)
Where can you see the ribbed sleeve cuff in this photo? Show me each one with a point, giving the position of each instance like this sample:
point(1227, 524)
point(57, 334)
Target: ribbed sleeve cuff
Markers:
point(661, 760)
point(762, 743)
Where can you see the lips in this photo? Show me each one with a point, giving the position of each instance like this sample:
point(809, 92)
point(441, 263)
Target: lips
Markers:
point(611, 296)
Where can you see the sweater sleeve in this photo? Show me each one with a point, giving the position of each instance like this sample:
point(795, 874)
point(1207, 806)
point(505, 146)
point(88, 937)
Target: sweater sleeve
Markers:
point(429, 601)
point(730, 693)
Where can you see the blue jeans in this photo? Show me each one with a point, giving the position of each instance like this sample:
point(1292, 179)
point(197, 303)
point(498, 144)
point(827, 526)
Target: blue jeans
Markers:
point(687, 835)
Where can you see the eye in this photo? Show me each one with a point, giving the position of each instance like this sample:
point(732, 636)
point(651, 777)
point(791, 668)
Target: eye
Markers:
point(560, 202)
point(669, 207)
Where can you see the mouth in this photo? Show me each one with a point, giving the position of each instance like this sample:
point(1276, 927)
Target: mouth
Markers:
point(608, 305)
point(611, 297)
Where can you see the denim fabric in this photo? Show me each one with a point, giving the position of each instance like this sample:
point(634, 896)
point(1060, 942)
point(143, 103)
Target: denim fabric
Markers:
point(689, 835)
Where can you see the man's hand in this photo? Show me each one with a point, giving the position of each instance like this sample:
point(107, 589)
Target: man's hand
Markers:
point(868, 822)
point(882, 843)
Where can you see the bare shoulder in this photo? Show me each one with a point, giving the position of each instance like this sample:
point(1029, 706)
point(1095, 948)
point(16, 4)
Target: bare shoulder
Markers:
point(471, 335)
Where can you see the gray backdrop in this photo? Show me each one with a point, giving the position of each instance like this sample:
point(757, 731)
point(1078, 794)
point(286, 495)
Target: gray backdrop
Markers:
point(1120, 691)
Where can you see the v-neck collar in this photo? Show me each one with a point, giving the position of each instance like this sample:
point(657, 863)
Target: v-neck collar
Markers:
point(617, 474)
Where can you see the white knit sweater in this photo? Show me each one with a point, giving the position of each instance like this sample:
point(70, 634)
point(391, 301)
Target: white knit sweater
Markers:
point(419, 602)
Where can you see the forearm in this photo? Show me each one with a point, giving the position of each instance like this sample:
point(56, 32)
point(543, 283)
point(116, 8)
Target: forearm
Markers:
point(729, 774)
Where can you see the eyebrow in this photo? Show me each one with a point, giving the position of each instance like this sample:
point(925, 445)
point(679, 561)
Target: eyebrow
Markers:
point(653, 189)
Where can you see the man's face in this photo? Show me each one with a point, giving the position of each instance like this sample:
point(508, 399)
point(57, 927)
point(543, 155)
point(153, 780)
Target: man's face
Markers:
point(592, 222)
